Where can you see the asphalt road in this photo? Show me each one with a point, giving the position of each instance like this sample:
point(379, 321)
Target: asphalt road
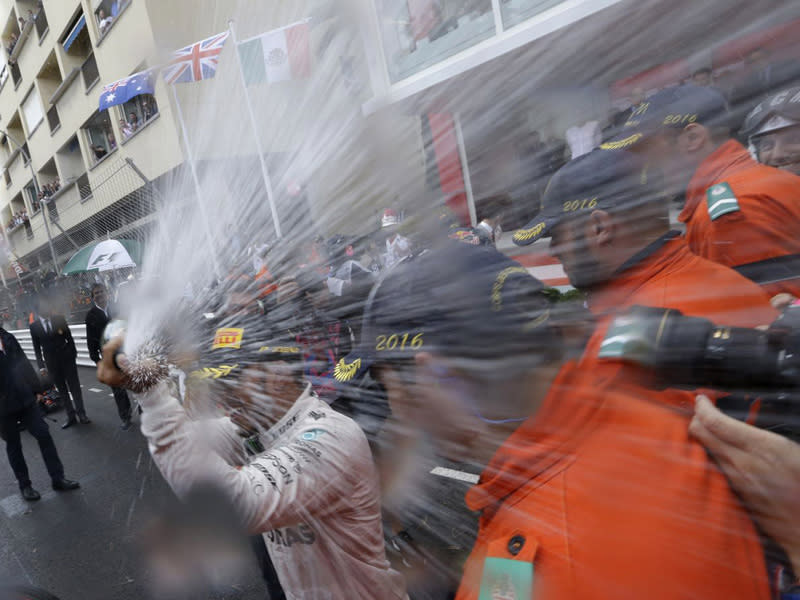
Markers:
point(85, 544)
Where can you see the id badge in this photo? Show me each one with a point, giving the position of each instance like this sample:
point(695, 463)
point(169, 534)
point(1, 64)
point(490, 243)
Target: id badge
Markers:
point(506, 579)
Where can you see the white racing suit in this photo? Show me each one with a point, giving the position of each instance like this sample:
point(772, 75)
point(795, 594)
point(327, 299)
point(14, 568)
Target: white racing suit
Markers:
point(313, 493)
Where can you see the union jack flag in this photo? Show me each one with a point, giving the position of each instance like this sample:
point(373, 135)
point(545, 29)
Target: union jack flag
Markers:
point(196, 62)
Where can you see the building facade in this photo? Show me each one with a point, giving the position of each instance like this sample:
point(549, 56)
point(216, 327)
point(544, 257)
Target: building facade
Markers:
point(59, 55)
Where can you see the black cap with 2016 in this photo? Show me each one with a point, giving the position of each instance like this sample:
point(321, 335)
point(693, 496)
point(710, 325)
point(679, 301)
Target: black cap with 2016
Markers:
point(673, 107)
point(242, 342)
point(599, 180)
point(456, 300)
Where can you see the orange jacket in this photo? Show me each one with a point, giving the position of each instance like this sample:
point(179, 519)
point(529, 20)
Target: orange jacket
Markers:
point(671, 277)
point(764, 217)
point(607, 497)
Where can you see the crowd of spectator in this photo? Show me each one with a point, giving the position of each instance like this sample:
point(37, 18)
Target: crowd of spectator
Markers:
point(23, 22)
point(129, 125)
point(19, 218)
point(48, 190)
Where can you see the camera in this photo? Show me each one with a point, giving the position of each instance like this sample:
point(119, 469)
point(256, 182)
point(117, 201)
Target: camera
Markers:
point(760, 369)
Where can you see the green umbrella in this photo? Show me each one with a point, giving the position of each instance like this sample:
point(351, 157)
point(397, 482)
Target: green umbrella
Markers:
point(105, 256)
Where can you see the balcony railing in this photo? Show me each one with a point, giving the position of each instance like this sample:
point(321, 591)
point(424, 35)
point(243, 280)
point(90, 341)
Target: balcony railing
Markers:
point(23, 36)
point(64, 85)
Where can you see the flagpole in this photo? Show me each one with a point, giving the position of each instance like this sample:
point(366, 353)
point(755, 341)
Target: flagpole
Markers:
point(264, 173)
point(196, 179)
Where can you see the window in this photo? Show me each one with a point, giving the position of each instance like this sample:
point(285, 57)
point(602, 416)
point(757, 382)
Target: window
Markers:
point(32, 110)
point(90, 73)
point(136, 113)
point(53, 119)
point(26, 157)
point(84, 187)
point(100, 136)
point(30, 192)
point(16, 75)
point(76, 40)
point(7, 178)
point(40, 20)
point(107, 13)
point(419, 33)
point(517, 11)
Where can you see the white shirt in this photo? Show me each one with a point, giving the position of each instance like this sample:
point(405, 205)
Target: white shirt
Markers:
point(397, 249)
point(313, 493)
point(47, 325)
point(105, 310)
point(582, 139)
point(105, 24)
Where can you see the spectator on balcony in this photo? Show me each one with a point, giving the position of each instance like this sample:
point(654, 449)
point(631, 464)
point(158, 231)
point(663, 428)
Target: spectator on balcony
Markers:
point(104, 21)
point(99, 151)
point(125, 128)
point(22, 23)
point(133, 121)
point(112, 141)
point(12, 43)
point(26, 221)
point(149, 109)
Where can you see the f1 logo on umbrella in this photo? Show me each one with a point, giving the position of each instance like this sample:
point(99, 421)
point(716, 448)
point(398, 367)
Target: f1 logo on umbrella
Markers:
point(103, 259)
point(104, 256)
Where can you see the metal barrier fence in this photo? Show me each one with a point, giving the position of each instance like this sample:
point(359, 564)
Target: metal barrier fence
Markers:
point(78, 334)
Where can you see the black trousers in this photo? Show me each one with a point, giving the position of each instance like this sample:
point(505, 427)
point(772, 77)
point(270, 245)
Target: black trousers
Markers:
point(65, 375)
point(123, 403)
point(274, 588)
point(32, 419)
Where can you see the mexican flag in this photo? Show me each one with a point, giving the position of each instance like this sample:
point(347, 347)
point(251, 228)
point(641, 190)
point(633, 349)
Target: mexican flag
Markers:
point(279, 55)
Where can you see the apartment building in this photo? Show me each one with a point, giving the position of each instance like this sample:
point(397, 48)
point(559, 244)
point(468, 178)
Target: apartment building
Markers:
point(59, 55)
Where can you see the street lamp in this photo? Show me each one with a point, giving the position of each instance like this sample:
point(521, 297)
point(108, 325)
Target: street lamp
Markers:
point(27, 158)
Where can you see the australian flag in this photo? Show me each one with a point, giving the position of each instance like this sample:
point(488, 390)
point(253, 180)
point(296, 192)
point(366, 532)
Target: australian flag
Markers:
point(123, 90)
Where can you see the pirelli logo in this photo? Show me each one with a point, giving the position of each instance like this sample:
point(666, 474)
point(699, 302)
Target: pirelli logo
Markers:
point(228, 338)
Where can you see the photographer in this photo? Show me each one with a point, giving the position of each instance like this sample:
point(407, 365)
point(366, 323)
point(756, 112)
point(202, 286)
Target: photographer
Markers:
point(585, 492)
point(753, 430)
point(609, 227)
point(763, 468)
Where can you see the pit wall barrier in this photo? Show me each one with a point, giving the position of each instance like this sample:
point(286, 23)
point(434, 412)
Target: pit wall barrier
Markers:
point(78, 334)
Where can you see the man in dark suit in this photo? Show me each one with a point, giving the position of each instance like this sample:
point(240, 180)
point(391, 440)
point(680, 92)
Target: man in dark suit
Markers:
point(56, 353)
point(18, 388)
point(96, 320)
